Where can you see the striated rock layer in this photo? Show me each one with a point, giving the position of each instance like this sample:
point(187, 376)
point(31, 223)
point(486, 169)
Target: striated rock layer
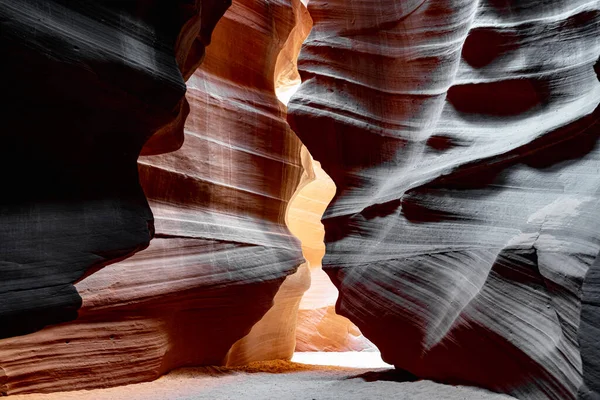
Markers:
point(588, 333)
point(221, 248)
point(462, 138)
point(319, 327)
point(237, 170)
point(85, 86)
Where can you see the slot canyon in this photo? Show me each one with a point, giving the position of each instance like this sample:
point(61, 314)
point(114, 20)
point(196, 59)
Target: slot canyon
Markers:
point(300, 199)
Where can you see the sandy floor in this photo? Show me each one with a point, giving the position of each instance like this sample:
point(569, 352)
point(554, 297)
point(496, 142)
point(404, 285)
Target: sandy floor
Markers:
point(278, 380)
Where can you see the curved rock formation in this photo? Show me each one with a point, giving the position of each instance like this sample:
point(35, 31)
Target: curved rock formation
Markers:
point(319, 327)
point(588, 333)
point(86, 85)
point(274, 336)
point(462, 138)
point(221, 248)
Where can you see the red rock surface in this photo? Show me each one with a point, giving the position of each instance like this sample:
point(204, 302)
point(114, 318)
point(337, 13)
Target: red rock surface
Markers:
point(221, 248)
point(461, 136)
point(319, 328)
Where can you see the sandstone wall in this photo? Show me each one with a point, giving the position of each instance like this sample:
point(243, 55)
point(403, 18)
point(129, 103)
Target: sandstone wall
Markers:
point(462, 138)
point(221, 249)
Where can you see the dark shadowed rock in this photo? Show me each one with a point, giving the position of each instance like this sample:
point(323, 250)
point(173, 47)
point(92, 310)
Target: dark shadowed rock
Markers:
point(85, 85)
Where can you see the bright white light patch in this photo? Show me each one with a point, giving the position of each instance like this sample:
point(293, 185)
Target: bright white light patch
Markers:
point(350, 359)
point(285, 93)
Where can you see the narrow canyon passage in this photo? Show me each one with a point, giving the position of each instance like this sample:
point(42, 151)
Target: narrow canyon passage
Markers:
point(266, 199)
point(308, 320)
point(319, 328)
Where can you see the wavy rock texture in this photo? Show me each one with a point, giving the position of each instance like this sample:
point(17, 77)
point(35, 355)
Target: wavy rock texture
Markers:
point(221, 249)
point(86, 85)
point(319, 327)
point(588, 333)
point(274, 336)
point(462, 138)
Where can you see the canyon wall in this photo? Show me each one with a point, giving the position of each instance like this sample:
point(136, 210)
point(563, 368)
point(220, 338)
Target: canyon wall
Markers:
point(221, 249)
point(86, 85)
point(319, 328)
point(462, 138)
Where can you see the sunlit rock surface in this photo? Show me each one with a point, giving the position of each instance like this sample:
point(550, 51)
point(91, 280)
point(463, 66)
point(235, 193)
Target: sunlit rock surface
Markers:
point(462, 138)
point(221, 248)
point(319, 327)
point(238, 168)
point(274, 336)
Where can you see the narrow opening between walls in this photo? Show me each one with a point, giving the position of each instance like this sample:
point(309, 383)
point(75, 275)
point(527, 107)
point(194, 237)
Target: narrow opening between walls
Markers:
point(322, 336)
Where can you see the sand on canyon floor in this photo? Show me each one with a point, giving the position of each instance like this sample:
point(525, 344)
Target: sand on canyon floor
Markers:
point(282, 380)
